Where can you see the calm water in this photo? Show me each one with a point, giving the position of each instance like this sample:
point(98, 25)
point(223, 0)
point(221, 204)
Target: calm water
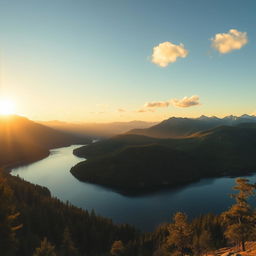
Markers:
point(146, 212)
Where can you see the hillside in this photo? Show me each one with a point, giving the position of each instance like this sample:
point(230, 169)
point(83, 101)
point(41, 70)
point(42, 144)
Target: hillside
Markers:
point(97, 130)
point(133, 163)
point(41, 215)
point(24, 141)
point(176, 127)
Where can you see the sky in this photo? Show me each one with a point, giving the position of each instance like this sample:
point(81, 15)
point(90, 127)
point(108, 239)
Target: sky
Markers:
point(117, 60)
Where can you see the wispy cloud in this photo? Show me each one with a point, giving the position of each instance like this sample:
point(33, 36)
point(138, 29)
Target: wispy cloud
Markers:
point(186, 102)
point(157, 104)
point(167, 52)
point(121, 110)
point(143, 110)
point(227, 42)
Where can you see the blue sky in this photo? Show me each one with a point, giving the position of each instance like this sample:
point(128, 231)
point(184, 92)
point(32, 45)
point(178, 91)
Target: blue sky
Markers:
point(85, 60)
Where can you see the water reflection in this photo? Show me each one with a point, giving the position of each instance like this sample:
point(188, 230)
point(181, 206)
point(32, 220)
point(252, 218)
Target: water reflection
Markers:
point(146, 212)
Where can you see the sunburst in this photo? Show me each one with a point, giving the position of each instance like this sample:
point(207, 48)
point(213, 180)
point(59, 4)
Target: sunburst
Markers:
point(7, 107)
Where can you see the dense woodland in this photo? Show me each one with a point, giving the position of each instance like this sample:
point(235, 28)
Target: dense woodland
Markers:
point(28, 214)
point(138, 164)
point(33, 223)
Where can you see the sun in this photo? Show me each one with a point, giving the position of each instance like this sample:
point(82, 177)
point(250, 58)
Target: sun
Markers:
point(7, 107)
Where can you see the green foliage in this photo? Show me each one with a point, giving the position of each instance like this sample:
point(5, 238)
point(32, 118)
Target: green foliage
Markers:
point(240, 218)
point(45, 249)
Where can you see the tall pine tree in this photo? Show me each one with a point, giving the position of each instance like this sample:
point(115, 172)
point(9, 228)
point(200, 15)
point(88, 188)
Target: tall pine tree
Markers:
point(240, 218)
point(180, 233)
point(45, 249)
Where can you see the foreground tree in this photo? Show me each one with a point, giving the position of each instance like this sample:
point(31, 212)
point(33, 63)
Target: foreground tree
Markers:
point(8, 217)
point(180, 233)
point(67, 247)
point(240, 218)
point(45, 249)
point(117, 248)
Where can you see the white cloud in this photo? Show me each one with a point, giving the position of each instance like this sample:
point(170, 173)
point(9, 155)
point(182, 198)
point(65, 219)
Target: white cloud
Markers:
point(167, 52)
point(157, 104)
point(227, 42)
point(186, 102)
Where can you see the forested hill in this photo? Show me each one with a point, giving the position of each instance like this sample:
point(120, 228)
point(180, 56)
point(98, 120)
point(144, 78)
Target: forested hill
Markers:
point(178, 127)
point(35, 224)
point(22, 140)
point(29, 212)
point(137, 164)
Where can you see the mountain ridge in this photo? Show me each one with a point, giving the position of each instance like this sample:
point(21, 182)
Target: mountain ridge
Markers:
point(158, 163)
point(23, 140)
point(178, 127)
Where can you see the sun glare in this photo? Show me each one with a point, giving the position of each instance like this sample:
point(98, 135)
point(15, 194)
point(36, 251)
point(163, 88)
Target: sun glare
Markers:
point(7, 107)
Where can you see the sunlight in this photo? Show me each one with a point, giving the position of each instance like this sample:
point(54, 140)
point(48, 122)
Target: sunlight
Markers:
point(7, 107)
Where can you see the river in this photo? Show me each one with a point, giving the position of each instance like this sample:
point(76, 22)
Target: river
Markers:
point(145, 212)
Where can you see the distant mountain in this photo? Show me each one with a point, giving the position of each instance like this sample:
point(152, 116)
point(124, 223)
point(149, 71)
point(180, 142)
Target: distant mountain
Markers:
point(182, 127)
point(135, 163)
point(22, 140)
point(97, 130)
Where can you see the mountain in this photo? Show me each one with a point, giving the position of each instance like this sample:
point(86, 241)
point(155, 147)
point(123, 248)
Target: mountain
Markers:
point(97, 130)
point(138, 164)
point(176, 127)
point(23, 140)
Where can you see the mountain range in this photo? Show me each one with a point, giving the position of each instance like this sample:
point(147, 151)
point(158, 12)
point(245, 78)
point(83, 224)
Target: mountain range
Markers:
point(97, 130)
point(182, 127)
point(132, 163)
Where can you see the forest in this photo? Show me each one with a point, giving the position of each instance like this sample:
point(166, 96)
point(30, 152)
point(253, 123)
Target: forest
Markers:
point(159, 163)
point(34, 223)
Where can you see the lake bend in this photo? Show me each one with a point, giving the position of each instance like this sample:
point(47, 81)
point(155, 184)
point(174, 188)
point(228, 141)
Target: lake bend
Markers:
point(145, 211)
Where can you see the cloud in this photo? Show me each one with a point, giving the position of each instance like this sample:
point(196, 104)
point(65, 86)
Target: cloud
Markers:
point(121, 110)
point(186, 102)
point(145, 110)
point(167, 52)
point(227, 42)
point(157, 104)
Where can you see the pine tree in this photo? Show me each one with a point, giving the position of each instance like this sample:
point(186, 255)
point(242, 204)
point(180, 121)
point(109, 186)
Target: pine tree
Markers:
point(8, 216)
point(45, 249)
point(67, 246)
point(117, 248)
point(240, 218)
point(180, 233)
point(205, 242)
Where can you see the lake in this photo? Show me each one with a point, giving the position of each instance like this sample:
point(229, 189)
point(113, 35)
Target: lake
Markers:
point(145, 212)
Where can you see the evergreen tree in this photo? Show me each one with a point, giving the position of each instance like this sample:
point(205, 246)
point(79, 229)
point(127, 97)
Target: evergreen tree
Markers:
point(45, 249)
point(180, 233)
point(240, 218)
point(203, 243)
point(117, 248)
point(67, 246)
point(8, 216)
